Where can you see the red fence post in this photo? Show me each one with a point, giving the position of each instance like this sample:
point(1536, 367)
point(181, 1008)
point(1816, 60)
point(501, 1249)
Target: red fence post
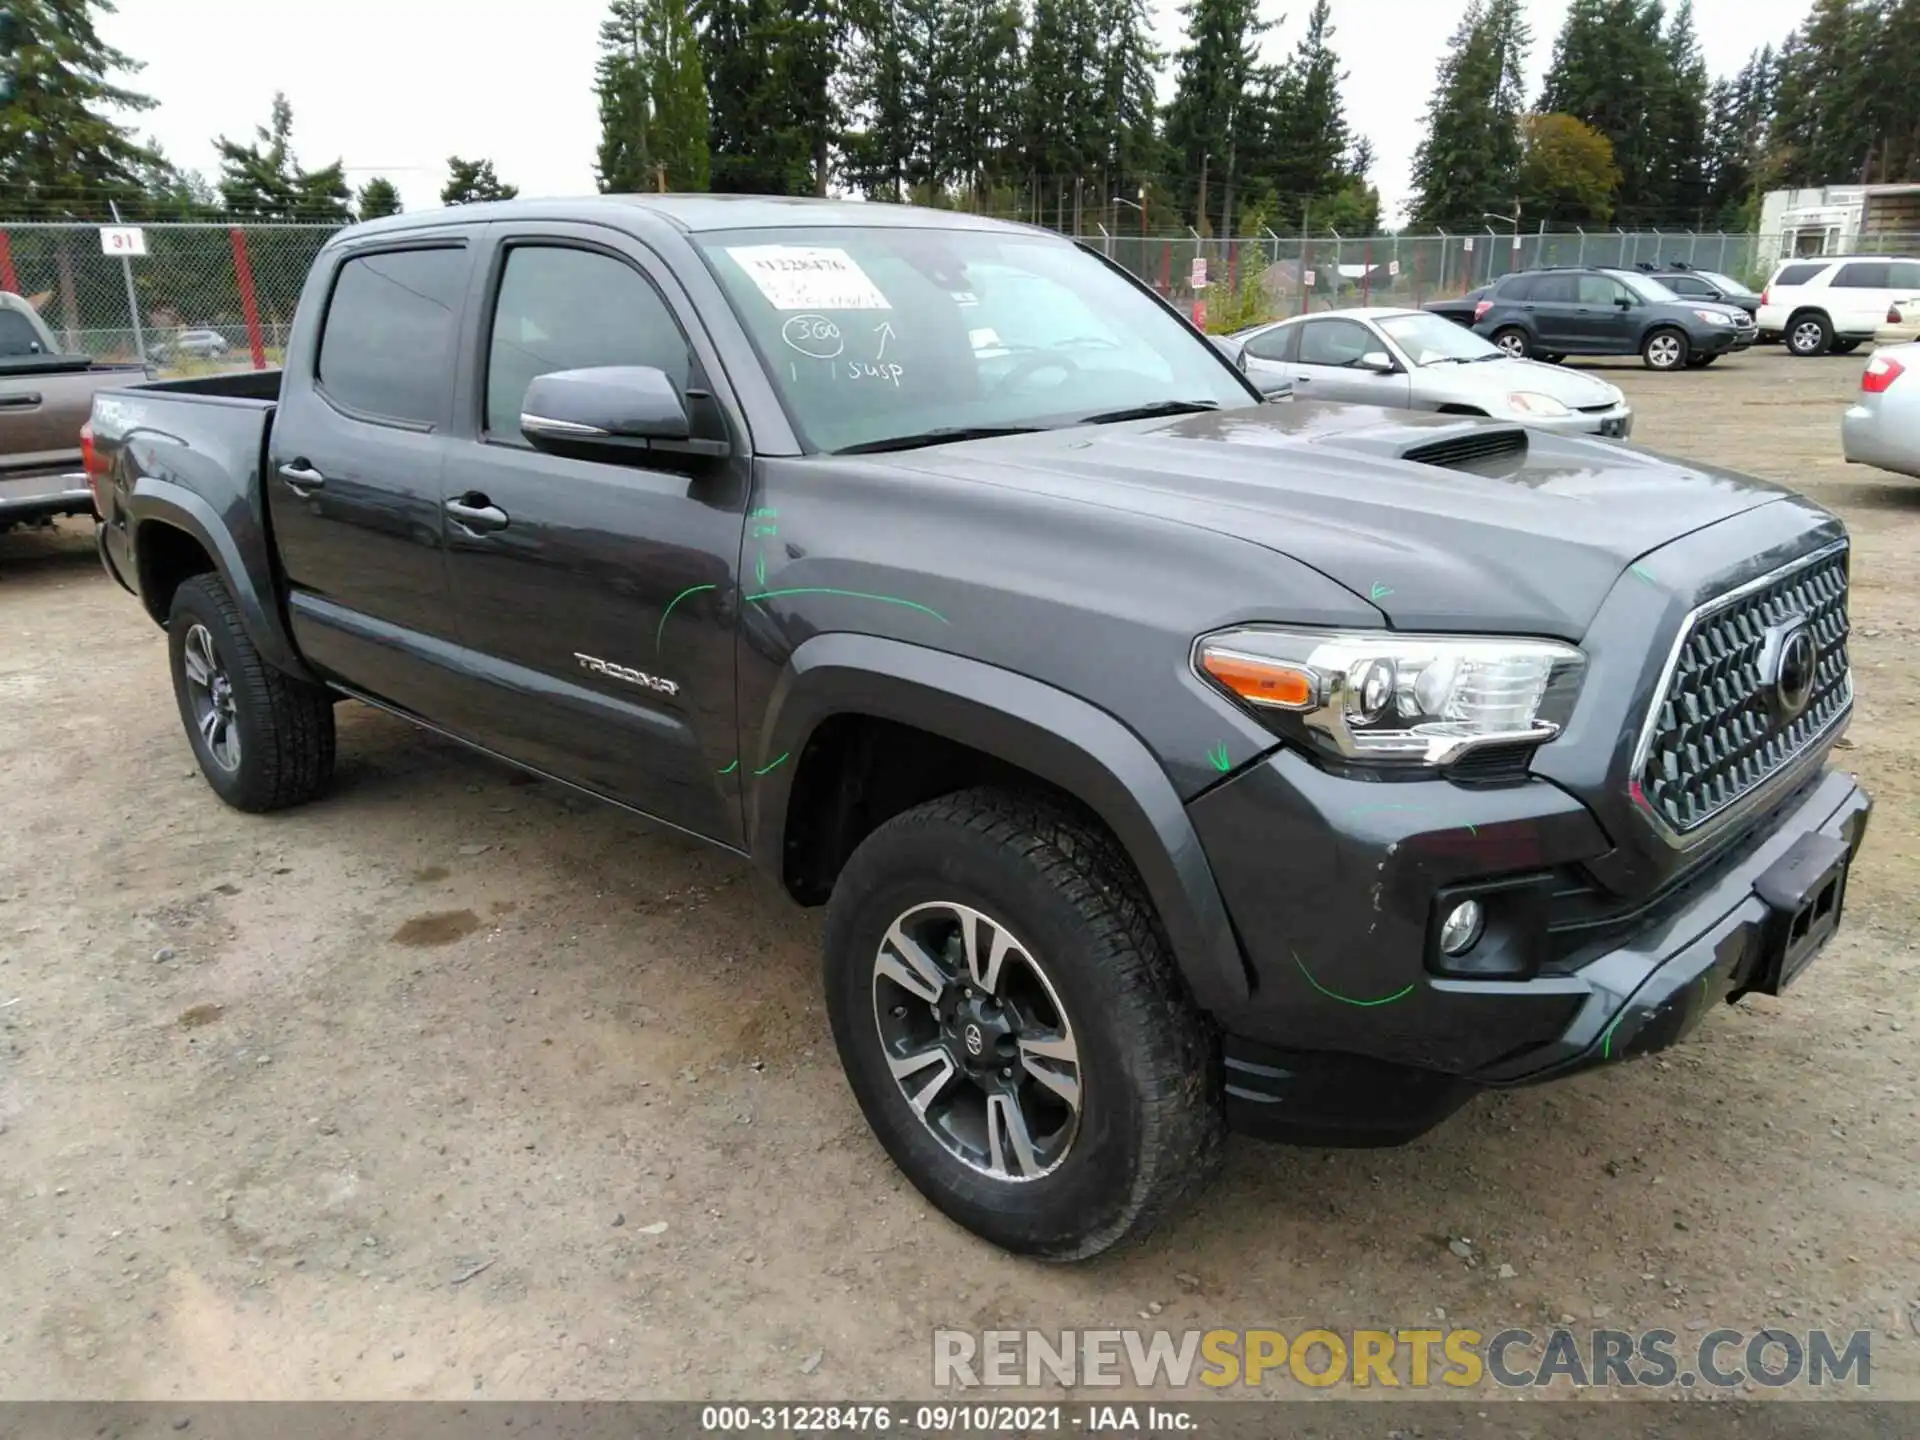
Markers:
point(1366, 274)
point(8, 280)
point(249, 303)
point(1166, 268)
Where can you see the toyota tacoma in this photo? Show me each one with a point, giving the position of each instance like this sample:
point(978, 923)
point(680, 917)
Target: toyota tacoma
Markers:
point(1168, 759)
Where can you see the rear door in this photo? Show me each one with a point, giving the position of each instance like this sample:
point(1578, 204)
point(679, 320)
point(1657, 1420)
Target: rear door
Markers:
point(1550, 305)
point(353, 470)
point(1858, 296)
point(597, 608)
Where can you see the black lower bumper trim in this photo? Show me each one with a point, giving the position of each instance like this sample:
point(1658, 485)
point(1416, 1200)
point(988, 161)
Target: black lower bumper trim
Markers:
point(1306, 1097)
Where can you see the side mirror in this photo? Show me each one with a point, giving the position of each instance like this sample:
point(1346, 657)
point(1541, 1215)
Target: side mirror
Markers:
point(610, 412)
point(1623, 301)
point(1377, 361)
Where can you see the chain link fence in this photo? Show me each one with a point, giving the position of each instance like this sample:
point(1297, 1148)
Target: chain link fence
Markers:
point(215, 297)
point(188, 298)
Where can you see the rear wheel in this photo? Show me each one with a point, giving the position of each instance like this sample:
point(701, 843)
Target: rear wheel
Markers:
point(1664, 350)
point(1013, 1026)
point(1513, 340)
point(264, 740)
point(1809, 335)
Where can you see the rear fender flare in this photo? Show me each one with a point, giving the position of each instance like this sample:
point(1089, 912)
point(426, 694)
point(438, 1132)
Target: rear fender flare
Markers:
point(1081, 749)
point(160, 502)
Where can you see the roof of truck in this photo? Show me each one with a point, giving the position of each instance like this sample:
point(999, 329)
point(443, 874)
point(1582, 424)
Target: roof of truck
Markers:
point(696, 213)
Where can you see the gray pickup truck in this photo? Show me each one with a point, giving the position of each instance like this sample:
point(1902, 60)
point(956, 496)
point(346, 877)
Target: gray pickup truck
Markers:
point(1167, 759)
point(45, 399)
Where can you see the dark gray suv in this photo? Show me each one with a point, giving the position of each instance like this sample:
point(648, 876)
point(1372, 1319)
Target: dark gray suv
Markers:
point(1550, 314)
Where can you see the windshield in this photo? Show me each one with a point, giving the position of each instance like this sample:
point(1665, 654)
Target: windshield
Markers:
point(883, 332)
point(1431, 339)
point(1644, 287)
point(1725, 284)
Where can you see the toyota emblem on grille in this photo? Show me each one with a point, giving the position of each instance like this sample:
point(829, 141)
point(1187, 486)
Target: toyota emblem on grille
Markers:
point(1788, 663)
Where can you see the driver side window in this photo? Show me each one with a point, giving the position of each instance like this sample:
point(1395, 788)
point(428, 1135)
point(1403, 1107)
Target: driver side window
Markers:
point(1599, 290)
point(1335, 342)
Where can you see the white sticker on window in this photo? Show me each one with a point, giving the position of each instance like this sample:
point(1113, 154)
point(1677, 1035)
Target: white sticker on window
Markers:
point(808, 277)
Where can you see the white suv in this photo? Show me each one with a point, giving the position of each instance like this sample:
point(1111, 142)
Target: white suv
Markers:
point(1834, 303)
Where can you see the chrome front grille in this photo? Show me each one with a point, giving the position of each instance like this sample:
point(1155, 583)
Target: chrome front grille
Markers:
point(1717, 733)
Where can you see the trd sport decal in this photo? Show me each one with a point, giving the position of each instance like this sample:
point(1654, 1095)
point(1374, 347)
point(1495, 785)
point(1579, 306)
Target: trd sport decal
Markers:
point(621, 672)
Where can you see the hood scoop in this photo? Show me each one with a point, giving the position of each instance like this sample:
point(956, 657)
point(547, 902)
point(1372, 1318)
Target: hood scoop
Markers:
point(1472, 449)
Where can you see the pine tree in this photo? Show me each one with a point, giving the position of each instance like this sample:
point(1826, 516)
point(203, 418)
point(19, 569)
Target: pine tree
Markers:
point(1893, 63)
point(1612, 69)
point(472, 181)
point(1683, 125)
point(263, 181)
point(1823, 118)
point(61, 153)
point(1125, 89)
point(772, 112)
point(1741, 109)
point(1215, 111)
point(1468, 162)
point(879, 143)
point(1307, 145)
point(378, 198)
point(653, 99)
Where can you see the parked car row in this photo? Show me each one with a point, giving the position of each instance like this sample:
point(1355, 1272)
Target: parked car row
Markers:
point(1676, 317)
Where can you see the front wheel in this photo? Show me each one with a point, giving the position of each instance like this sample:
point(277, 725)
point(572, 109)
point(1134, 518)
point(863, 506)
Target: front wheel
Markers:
point(1014, 1028)
point(1664, 350)
point(1513, 340)
point(264, 740)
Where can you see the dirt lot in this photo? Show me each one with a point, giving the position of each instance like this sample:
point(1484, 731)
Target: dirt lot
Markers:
point(453, 1086)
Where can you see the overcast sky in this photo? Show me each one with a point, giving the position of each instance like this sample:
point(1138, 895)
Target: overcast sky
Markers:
point(393, 87)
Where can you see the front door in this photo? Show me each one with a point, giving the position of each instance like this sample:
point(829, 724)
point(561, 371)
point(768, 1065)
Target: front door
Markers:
point(1605, 316)
point(353, 470)
point(1331, 365)
point(597, 600)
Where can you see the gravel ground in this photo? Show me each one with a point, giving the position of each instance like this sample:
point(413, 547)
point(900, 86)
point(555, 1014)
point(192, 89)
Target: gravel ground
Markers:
point(451, 1085)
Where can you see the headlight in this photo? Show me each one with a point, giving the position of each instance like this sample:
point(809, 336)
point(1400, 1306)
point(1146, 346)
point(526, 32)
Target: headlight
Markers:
point(1528, 403)
point(1714, 317)
point(1395, 699)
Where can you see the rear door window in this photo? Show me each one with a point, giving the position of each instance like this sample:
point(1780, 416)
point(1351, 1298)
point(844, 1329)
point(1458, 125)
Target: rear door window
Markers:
point(387, 347)
point(1863, 275)
point(1518, 287)
point(1797, 274)
point(1275, 344)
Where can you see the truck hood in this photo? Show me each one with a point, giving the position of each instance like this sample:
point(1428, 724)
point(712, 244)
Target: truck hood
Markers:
point(1527, 542)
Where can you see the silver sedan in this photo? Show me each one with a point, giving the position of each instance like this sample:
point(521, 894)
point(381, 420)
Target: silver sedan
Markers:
point(1882, 427)
point(1414, 360)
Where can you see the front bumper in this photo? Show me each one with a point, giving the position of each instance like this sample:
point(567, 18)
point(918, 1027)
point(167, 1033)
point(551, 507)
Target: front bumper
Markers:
point(35, 497)
point(1614, 423)
point(1350, 1036)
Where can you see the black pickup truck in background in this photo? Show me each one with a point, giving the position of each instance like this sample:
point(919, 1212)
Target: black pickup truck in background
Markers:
point(1168, 760)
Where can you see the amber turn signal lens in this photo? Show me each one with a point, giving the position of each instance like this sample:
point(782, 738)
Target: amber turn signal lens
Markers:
point(1261, 682)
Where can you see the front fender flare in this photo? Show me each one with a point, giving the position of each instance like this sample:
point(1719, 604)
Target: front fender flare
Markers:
point(1062, 739)
point(161, 502)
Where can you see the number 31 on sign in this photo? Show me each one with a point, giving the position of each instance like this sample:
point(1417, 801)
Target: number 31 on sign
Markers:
point(122, 240)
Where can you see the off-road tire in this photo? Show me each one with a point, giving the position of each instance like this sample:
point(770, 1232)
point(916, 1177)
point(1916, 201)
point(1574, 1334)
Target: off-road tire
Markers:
point(1151, 1122)
point(285, 725)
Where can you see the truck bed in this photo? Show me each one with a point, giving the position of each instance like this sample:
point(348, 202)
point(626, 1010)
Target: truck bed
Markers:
point(44, 400)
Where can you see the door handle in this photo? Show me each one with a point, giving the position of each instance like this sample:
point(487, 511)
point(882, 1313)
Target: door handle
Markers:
point(478, 514)
point(26, 401)
point(302, 477)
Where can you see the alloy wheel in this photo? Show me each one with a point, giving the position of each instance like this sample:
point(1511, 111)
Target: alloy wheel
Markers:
point(1665, 351)
point(978, 1041)
point(1806, 337)
point(1514, 345)
point(210, 691)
